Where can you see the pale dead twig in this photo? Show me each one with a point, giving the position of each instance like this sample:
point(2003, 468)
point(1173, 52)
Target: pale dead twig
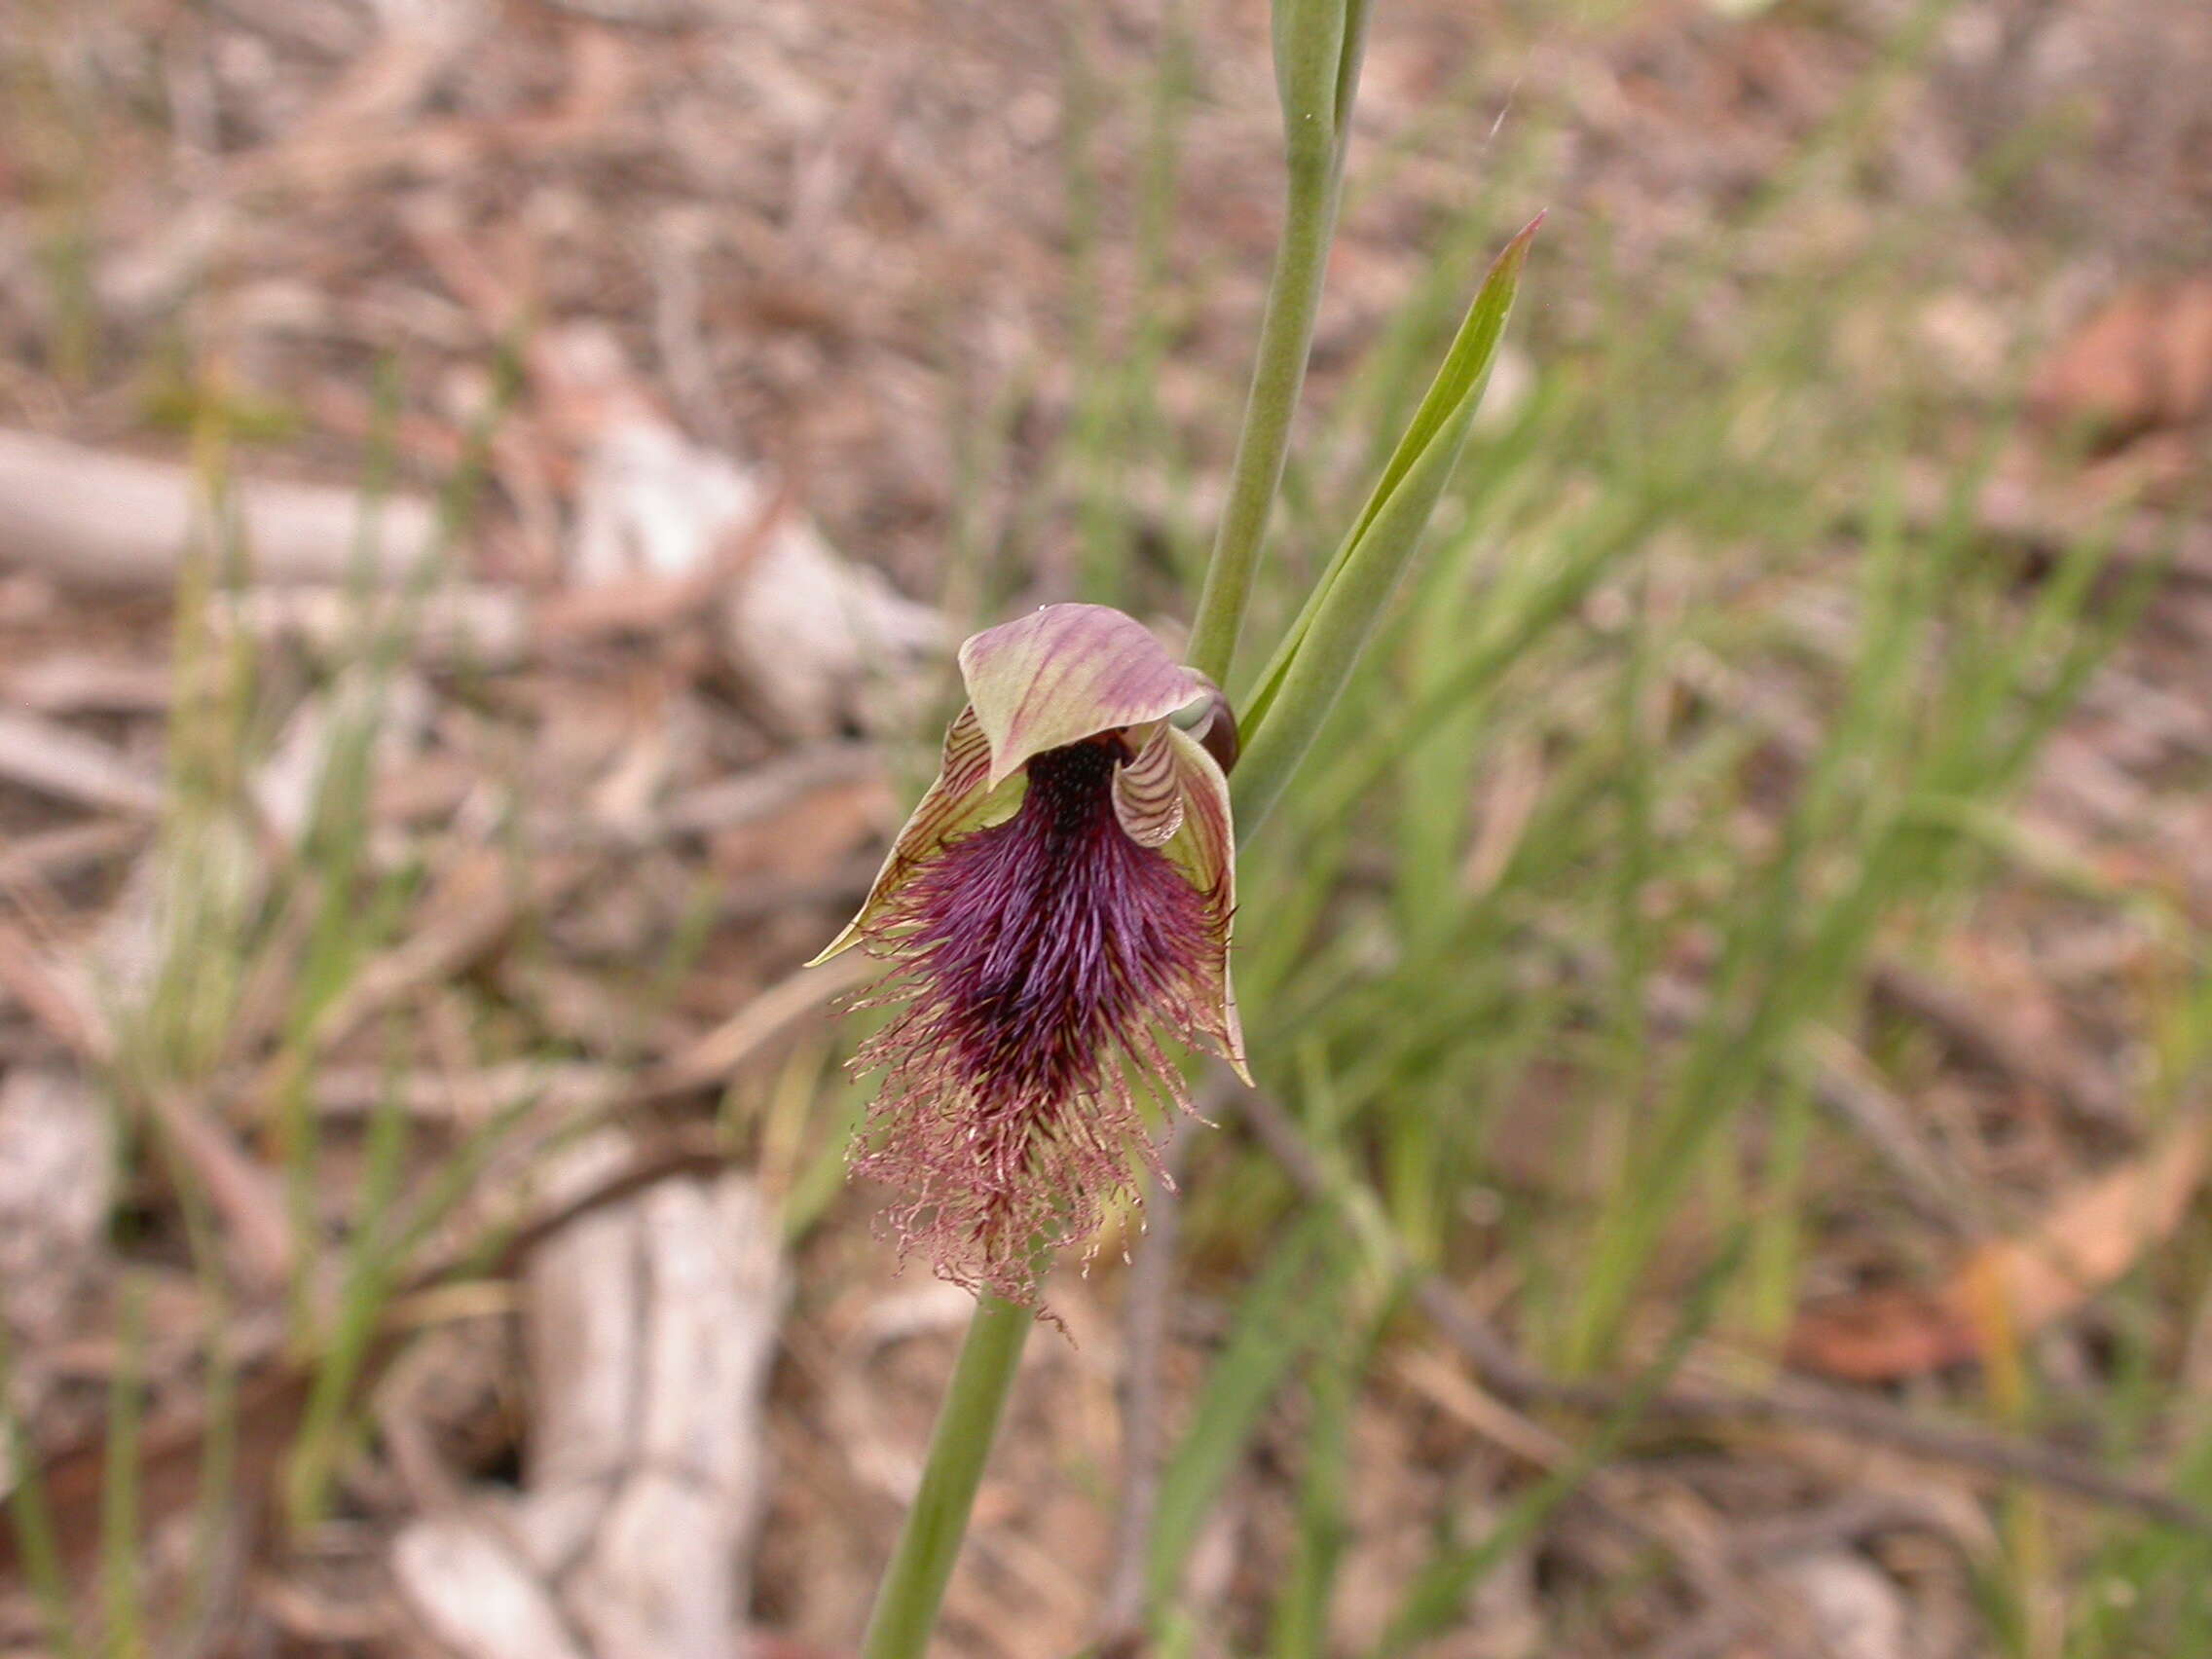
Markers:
point(257, 1231)
point(556, 1090)
point(25, 976)
point(1986, 1036)
point(487, 628)
point(713, 1056)
point(1845, 1082)
point(324, 27)
point(58, 853)
point(483, 628)
point(70, 766)
point(679, 235)
point(768, 788)
point(84, 683)
point(754, 896)
point(93, 519)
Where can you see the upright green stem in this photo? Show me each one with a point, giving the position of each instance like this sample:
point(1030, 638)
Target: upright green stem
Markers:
point(1278, 373)
point(1318, 43)
point(968, 1422)
point(1317, 53)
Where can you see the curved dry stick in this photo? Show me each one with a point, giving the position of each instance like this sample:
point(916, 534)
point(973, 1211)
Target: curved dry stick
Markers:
point(1503, 1370)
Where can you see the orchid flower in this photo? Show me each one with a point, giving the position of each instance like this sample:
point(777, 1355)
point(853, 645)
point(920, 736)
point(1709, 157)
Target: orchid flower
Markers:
point(1058, 903)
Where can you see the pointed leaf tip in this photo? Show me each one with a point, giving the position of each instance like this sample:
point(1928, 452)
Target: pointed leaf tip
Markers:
point(1506, 266)
point(1323, 643)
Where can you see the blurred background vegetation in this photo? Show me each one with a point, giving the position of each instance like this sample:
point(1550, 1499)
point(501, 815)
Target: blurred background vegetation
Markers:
point(1743, 932)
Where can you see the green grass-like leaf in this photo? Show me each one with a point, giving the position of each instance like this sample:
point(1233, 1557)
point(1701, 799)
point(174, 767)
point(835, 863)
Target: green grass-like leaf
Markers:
point(1301, 683)
point(1291, 1305)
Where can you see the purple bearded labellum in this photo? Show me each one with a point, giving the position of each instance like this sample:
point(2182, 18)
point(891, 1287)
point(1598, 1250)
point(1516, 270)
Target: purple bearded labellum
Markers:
point(1058, 903)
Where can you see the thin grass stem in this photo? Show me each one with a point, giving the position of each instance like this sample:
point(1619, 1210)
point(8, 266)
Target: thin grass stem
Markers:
point(1278, 375)
point(1319, 46)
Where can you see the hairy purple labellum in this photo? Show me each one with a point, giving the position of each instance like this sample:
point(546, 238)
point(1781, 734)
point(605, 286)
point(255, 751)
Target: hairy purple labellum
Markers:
point(1042, 955)
point(1042, 949)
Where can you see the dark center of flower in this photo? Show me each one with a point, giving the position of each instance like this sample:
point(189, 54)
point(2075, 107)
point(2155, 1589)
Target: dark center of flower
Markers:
point(1071, 785)
point(1049, 934)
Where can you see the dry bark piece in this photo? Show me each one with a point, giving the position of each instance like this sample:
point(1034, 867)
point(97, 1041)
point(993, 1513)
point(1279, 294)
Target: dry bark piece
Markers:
point(505, 1610)
point(810, 632)
point(56, 1172)
point(649, 1325)
point(1854, 1608)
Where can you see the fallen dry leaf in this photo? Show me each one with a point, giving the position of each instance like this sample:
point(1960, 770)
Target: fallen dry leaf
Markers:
point(2010, 1286)
point(2145, 360)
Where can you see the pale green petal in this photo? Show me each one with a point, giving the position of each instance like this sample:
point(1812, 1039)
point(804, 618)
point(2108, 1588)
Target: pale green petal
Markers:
point(1214, 722)
point(1065, 673)
point(1147, 796)
point(1206, 846)
point(961, 799)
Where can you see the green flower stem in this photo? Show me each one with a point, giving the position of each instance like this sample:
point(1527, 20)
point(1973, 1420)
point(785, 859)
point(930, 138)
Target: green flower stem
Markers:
point(1294, 297)
point(1285, 710)
point(968, 1422)
point(1318, 45)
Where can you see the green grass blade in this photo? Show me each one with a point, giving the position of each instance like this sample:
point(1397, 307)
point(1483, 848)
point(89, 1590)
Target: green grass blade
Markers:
point(1300, 1626)
point(37, 1545)
point(216, 1505)
point(326, 1420)
point(122, 1598)
point(1289, 1307)
point(1316, 657)
point(1437, 1598)
point(1318, 45)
